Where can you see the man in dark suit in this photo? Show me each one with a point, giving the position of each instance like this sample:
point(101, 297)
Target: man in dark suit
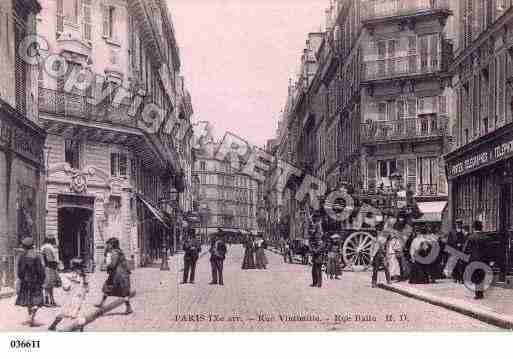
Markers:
point(192, 249)
point(317, 252)
point(473, 246)
point(457, 240)
point(217, 255)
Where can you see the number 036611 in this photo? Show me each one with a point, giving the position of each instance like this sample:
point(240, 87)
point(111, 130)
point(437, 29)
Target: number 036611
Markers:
point(25, 344)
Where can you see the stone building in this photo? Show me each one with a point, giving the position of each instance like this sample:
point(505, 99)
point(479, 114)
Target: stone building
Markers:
point(110, 99)
point(231, 198)
point(377, 100)
point(22, 186)
point(480, 165)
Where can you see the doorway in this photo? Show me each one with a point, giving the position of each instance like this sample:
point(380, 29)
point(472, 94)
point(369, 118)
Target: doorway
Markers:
point(76, 235)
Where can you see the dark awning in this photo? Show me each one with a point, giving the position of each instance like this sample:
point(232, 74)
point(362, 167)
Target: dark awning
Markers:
point(157, 213)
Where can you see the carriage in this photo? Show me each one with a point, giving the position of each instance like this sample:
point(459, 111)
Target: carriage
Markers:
point(358, 232)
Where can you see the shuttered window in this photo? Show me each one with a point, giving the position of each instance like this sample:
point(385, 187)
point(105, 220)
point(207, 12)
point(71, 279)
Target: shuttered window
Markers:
point(371, 174)
point(21, 66)
point(60, 16)
point(87, 20)
point(412, 173)
point(107, 20)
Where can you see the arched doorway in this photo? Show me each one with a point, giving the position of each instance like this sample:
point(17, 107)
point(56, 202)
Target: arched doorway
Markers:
point(76, 235)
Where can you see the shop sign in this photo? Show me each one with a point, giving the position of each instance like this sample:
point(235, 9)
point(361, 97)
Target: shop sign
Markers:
point(494, 153)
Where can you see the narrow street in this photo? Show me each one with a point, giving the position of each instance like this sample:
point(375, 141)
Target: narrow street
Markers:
point(284, 290)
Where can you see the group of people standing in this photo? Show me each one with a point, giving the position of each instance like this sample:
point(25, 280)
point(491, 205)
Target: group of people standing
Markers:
point(409, 256)
point(254, 253)
point(38, 276)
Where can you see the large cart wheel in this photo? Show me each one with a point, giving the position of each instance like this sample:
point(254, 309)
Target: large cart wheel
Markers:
point(356, 251)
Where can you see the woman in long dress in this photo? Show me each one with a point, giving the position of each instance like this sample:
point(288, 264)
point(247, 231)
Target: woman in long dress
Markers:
point(118, 281)
point(249, 258)
point(50, 261)
point(394, 247)
point(419, 249)
point(261, 258)
point(31, 276)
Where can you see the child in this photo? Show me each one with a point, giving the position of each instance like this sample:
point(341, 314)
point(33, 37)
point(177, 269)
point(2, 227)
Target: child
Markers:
point(77, 287)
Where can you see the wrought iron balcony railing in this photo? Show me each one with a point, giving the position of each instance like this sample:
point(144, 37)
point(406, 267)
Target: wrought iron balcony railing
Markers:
point(404, 129)
point(61, 103)
point(401, 66)
point(373, 10)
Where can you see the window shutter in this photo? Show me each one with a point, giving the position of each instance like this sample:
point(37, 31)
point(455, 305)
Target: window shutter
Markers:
point(412, 173)
point(105, 21)
point(21, 70)
point(371, 174)
point(86, 20)
point(60, 16)
point(123, 165)
point(442, 187)
point(113, 164)
point(401, 169)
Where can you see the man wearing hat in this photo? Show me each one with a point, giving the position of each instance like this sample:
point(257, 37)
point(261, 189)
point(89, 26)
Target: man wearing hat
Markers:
point(191, 249)
point(457, 240)
point(217, 255)
point(317, 252)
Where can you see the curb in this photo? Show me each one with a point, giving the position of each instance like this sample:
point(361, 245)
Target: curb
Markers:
point(95, 314)
point(459, 306)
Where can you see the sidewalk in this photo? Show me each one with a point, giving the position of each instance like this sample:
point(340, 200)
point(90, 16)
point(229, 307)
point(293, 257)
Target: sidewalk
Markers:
point(13, 317)
point(496, 308)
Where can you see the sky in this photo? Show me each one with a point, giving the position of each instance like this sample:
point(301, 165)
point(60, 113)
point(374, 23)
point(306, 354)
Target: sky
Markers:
point(237, 57)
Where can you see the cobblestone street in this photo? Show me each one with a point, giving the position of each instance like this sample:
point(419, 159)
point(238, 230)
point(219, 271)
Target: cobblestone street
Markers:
point(254, 300)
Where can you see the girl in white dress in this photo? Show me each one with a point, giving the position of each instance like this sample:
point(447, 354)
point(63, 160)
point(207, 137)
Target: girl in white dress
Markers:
point(76, 287)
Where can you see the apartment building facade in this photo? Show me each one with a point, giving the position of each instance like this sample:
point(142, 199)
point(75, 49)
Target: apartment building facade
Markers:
point(114, 169)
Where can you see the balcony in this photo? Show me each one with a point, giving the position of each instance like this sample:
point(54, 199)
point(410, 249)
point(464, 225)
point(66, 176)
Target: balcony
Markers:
point(374, 10)
point(74, 106)
point(411, 65)
point(405, 129)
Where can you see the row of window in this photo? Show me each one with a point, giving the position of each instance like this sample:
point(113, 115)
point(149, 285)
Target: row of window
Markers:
point(424, 174)
point(80, 14)
point(481, 100)
point(73, 153)
point(406, 107)
point(475, 16)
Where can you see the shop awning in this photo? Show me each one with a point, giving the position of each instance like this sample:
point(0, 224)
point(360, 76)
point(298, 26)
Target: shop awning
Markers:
point(157, 213)
point(431, 211)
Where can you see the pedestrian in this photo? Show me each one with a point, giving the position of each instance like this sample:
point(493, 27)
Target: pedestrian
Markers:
point(317, 255)
point(419, 249)
point(52, 278)
point(118, 280)
point(456, 240)
point(76, 287)
point(473, 247)
point(392, 253)
point(331, 268)
point(191, 249)
point(379, 260)
point(31, 277)
point(217, 256)
point(260, 257)
point(248, 262)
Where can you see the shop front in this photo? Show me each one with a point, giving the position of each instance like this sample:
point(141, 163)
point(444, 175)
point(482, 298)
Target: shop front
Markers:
point(21, 187)
point(480, 177)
